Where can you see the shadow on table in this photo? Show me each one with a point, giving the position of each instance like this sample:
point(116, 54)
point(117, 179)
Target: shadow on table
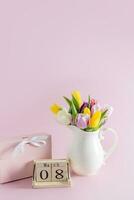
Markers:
point(22, 184)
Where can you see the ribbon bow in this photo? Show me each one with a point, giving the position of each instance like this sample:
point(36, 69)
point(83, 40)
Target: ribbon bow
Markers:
point(36, 141)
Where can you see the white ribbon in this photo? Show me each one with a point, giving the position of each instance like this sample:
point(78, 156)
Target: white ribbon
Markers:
point(36, 141)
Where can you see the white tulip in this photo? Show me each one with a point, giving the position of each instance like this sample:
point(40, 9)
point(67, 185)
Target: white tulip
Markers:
point(64, 117)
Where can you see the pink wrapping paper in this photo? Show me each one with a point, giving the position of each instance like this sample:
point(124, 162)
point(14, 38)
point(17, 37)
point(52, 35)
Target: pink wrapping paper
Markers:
point(21, 166)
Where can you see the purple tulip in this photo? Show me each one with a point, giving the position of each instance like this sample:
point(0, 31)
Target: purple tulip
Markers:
point(82, 121)
point(84, 105)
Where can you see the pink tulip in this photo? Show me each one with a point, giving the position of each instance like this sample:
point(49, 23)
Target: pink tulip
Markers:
point(92, 102)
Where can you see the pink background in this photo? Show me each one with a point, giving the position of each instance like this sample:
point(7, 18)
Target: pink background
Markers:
point(48, 49)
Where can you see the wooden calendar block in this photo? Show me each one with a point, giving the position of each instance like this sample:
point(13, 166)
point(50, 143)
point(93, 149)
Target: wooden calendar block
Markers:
point(59, 171)
point(51, 173)
point(43, 172)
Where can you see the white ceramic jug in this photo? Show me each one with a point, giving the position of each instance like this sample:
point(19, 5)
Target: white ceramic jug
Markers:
point(86, 154)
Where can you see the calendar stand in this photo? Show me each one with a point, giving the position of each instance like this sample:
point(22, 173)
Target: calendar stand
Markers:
point(51, 173)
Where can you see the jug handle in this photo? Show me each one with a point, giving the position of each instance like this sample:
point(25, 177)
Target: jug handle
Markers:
point(112, 148)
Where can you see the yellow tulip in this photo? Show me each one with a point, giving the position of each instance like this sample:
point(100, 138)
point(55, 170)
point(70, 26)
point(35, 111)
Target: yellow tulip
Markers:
point(77, 96)
point(55, 108)
point(86, 111)
point(95, 119)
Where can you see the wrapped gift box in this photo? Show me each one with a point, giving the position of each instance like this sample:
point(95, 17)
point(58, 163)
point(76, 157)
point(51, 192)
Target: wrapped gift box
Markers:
point(17, 155)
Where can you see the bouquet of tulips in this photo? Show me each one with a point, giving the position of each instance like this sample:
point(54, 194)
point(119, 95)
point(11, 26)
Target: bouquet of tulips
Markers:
point(88, 116)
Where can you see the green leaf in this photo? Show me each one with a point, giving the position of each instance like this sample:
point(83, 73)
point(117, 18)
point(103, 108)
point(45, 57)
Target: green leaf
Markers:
point(67, 100)
point(101, 124)
point(73, 109)
point(75, 102)
point(88, 101)
point(103, 114)
point(89, 129)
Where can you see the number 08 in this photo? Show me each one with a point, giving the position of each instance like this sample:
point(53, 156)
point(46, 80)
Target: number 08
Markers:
point(44, 174)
